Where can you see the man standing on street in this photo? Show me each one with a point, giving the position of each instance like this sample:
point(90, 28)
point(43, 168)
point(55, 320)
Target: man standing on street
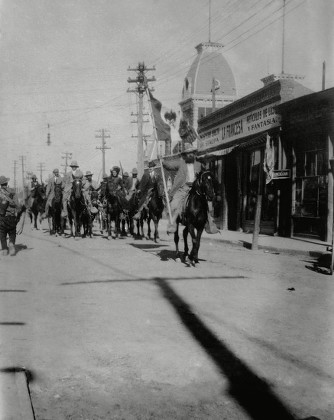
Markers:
point(10, 212)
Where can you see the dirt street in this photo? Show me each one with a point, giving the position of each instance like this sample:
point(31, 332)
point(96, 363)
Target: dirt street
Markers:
point(119, 330)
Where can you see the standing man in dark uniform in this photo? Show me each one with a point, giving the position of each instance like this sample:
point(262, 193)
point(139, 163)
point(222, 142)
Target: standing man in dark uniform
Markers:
point(10, 212)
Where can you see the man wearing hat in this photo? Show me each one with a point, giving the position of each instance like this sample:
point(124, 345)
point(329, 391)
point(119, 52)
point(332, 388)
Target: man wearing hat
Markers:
point(88, 187)
point(147, 182)
point(126, 182)
point(134, 182)
point(34, 184)
point(53, 180)
point(103, 187)
point(10, 212)
point(115, 183)
point(186, 167)
point(67, 185)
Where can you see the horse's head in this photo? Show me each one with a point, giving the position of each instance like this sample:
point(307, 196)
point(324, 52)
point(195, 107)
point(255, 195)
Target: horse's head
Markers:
point(40, 192)
point(77, 188)
point(204, 185)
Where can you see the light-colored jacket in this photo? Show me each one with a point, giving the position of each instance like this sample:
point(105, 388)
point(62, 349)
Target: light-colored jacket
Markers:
point(181, 175)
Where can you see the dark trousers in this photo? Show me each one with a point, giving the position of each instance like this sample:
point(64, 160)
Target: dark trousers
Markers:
point(7, 227)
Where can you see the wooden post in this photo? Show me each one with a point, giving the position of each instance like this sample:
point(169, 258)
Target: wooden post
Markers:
point(257, 221)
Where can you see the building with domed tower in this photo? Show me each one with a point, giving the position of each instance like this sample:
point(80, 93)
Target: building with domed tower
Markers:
point(209, 69)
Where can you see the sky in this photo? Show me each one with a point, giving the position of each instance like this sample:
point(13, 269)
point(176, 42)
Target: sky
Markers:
point(64, 63)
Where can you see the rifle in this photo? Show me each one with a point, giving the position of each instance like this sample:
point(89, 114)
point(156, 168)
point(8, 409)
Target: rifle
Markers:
point(120, 165)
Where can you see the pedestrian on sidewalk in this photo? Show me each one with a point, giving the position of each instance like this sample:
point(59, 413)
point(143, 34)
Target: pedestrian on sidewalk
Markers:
point(10, 213)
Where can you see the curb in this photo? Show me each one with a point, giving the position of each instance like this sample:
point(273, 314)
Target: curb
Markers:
point(15, 395)
point(247, 244)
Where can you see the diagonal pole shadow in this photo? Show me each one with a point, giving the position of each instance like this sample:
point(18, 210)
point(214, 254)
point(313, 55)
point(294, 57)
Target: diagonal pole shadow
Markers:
point(252, 393)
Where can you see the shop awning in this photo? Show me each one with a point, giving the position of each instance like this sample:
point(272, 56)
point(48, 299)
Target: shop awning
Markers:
point(217, 153)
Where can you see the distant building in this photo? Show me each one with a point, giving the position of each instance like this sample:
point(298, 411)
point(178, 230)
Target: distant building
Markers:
point(197, 87)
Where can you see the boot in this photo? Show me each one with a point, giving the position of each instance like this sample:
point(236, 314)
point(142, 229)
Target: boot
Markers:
point(12, 250)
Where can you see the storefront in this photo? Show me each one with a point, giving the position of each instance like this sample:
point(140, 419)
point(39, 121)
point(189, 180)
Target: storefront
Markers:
point(241, 143)
point(307, 127)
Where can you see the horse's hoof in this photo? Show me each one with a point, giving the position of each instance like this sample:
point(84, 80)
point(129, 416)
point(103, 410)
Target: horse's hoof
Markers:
point(178, 259)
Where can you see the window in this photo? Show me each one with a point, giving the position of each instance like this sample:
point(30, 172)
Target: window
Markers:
point(311, 183)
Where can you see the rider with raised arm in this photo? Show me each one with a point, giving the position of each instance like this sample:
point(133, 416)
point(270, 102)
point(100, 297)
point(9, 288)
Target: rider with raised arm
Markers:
point(187, 168)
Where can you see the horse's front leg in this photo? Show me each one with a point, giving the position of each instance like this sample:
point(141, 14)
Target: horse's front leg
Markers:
point(185, 240)
point(195, 237)
point(108, 222)
point(35, 221)
point(50, 223)
point(156, 231)
point(148, 236)
point(176, 241)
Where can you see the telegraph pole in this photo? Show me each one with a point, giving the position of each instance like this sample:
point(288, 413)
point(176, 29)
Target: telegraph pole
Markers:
point(15, 168)
point(67, 155)
point(103, 147)
point(142, 85)
point(41, 169)
point(23, 185)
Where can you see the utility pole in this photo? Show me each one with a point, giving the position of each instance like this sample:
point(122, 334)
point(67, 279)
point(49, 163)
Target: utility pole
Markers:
point(142, 85)
point(103, 147)
point(67, 156)
point(15, 168)
point(283, 37)
point(41, 169)
point(23, 184)
point(323, 86)
point(213, 90)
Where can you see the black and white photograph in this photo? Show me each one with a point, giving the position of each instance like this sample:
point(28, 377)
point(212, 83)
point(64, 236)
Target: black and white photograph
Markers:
point(166, 210)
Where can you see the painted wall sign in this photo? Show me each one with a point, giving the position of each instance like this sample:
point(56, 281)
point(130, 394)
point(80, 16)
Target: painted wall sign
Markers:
point(251, 123)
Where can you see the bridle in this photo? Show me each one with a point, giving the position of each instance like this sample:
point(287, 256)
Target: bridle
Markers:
point(199, 180)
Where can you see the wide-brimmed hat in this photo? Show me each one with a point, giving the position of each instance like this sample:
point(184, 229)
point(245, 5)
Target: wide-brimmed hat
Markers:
point(135, 171)
point(126, 174)
point(151, 164)
point(74, 163)
point(56, 171)
point(3, 180)
point(105, 176)
point(33, 176)
point(88, 173)
point(115, 168)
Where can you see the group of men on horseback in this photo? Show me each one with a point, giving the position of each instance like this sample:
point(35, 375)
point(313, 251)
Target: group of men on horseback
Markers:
point(124, 188)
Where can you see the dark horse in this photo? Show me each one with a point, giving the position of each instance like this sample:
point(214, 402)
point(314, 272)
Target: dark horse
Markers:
point(113, 212)
point(38, 204)
point(130, 209)
point(76, 208)
point(54, 216)
point(195, 215)
point(154, 211)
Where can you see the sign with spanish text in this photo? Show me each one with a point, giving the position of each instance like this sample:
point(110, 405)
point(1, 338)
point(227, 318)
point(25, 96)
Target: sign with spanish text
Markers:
point(253, 122)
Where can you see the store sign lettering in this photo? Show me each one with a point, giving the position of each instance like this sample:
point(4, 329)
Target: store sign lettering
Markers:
point(251, 123)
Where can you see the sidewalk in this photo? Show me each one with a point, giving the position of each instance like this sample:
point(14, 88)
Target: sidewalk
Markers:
point(293, 246)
